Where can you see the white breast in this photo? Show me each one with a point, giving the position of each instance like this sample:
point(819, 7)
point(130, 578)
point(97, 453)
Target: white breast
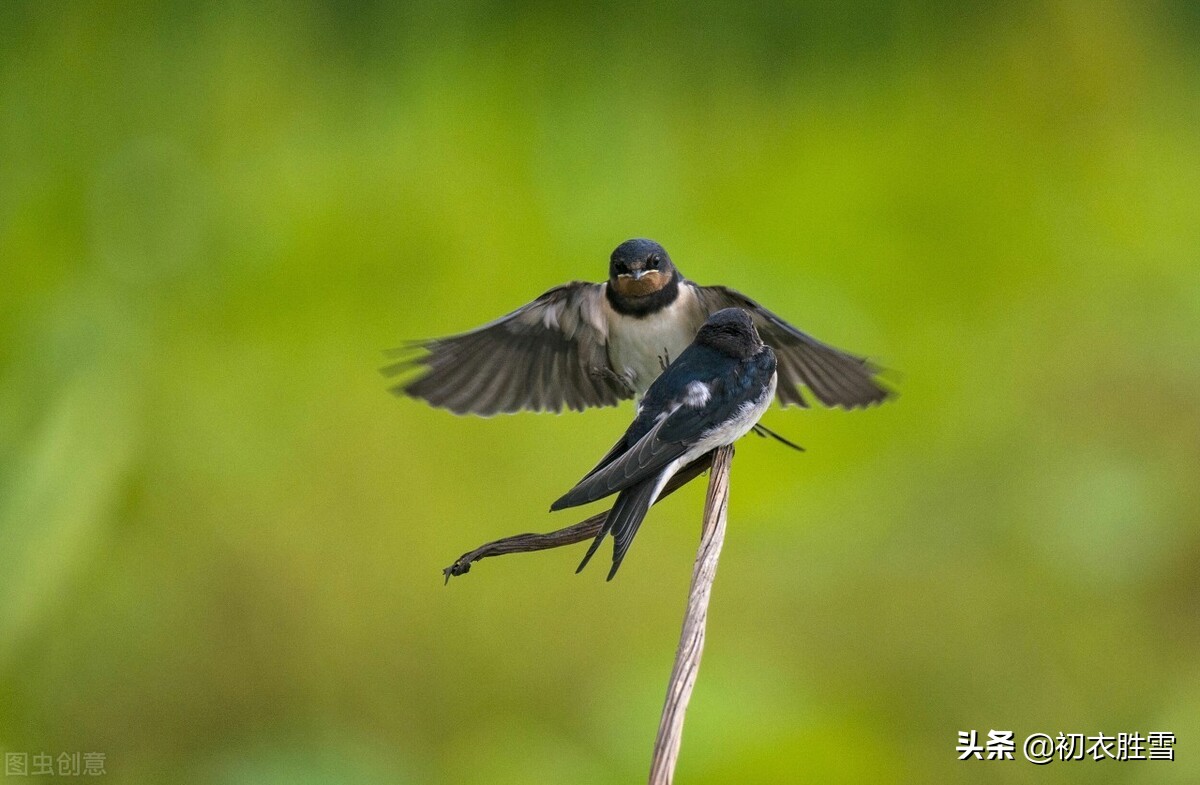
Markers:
point(743, 420)
point(740, 424)
point(635, 346)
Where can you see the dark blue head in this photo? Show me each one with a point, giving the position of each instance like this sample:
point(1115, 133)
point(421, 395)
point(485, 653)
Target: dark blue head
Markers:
point(639, 268)
point(732, 332)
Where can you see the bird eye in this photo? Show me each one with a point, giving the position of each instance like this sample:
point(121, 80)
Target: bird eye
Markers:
point(653, 261)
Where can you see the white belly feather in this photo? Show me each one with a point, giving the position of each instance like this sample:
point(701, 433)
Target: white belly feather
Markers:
point(638, 349)
point(737, 426)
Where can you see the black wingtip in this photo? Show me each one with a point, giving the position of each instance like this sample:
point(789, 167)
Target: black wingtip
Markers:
point(408, 347)
point(764, 431)
point(587, 557)
point(591, 551)
point(397, 368)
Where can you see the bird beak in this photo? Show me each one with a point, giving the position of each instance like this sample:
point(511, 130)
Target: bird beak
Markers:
point(637, 274)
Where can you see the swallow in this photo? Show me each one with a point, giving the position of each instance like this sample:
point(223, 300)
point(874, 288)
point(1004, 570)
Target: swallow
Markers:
point(710, 396)
point(595, 344)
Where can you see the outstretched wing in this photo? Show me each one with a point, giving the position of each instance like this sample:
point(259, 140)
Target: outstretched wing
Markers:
point(543, 356)
point(835, 377)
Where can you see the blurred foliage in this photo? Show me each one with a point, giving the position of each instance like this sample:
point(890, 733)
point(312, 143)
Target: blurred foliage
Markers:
point(220, 538)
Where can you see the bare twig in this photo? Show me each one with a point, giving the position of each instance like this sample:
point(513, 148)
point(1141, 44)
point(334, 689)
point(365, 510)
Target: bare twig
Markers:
point(584, 530)
point(523, 543)
point(691, 639)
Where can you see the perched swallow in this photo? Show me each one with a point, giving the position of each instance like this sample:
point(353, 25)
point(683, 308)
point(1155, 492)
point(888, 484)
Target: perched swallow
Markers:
point(710, 396)
point(595, 344)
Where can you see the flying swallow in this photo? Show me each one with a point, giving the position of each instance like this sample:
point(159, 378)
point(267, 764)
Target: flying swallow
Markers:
point(710, 396)
point(594, 344)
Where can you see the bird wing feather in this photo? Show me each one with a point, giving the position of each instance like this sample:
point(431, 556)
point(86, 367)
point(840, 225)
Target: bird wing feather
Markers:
point(835, 377)
point(544, 356)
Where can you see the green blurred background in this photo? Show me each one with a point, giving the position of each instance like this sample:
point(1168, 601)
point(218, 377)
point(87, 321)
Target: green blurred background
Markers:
point(221, 538)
